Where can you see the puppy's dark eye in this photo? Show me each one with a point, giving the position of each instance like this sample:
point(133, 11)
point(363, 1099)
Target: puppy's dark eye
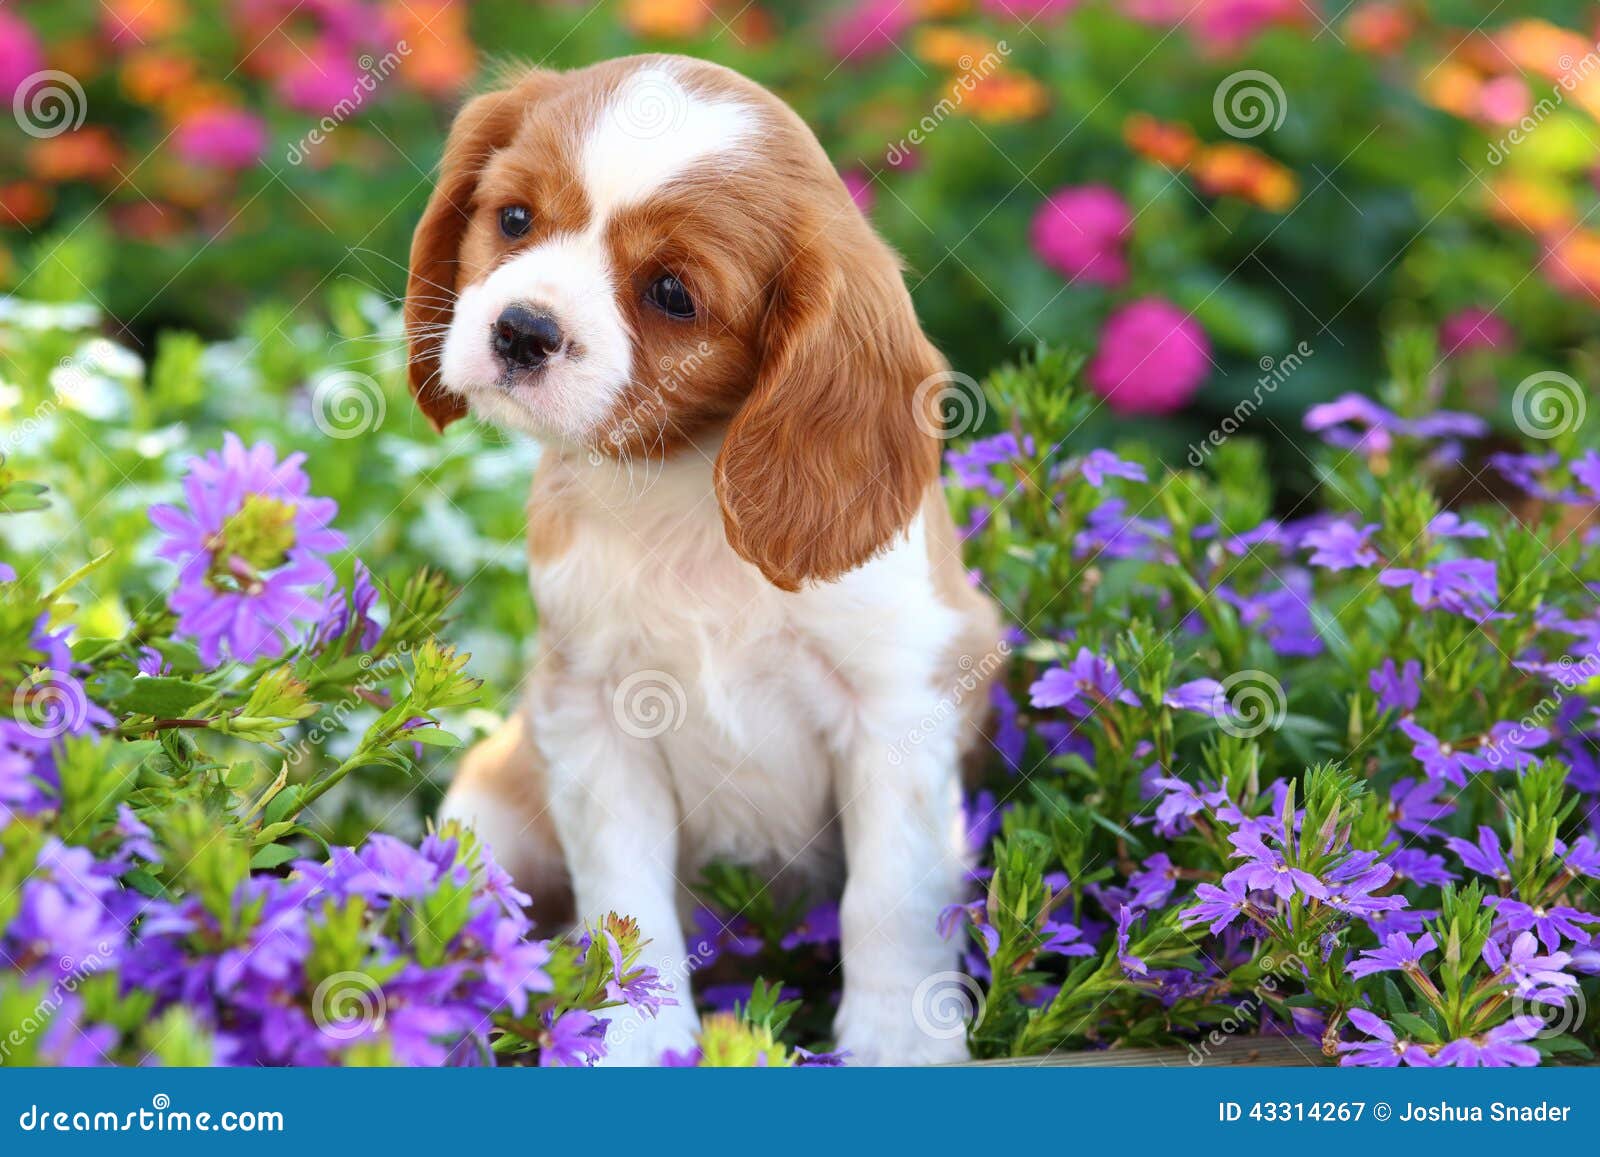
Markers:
point(669, 296)
point(515, 220)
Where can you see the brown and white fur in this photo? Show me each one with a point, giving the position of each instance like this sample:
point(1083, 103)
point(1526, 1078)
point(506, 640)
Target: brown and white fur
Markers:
point(757, 640)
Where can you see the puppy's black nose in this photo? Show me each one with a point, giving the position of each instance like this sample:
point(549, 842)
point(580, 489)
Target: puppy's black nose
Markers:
point(525, 338)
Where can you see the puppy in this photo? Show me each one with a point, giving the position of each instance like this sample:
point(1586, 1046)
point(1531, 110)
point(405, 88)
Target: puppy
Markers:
point(757, 639)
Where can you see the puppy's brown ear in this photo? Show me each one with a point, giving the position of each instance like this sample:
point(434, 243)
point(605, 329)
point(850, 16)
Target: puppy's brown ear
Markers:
point(831, 455)
point(485, 124)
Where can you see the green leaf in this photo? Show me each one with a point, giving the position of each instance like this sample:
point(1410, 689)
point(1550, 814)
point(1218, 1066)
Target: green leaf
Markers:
point(160, 695)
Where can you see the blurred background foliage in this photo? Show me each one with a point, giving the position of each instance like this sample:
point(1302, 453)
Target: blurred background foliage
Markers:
point(216, 183)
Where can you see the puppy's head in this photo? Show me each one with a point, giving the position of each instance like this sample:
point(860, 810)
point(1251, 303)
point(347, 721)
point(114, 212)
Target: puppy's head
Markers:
point(632, 255)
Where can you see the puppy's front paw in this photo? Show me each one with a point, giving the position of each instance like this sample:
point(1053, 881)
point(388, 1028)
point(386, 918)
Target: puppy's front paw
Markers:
point(902, 1026)
point(634, 1040)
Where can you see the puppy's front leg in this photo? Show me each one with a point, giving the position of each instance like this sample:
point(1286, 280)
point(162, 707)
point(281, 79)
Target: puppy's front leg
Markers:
point(618, 821)
point(900, 809)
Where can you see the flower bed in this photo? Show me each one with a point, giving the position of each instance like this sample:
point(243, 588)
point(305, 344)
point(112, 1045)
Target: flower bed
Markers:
point(1324, 772)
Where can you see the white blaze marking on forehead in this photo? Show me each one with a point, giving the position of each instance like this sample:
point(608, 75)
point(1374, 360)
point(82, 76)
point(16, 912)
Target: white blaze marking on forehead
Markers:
point(652, 131)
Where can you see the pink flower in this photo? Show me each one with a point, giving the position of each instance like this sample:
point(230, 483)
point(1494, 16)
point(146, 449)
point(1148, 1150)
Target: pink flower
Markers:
point(870, 27)
point(1505, 100)
point(1080, 232)
point(1151, 360)
point(860, 188)
point(1028, 10)
point(1234, 23)
point(20, 53)
point(221, 138)
point(1472, 329)
point(321, 78)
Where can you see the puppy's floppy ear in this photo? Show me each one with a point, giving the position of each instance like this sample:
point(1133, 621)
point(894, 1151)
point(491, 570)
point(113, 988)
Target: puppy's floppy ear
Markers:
point(831, 455)
point(485, 124)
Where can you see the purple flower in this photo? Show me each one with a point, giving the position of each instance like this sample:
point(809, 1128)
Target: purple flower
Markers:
point(1098, 465)
point(575, 1039)
point(1204, 696)
point(1511, 745)
point(1413, 806)
point(1551, 924)
point(1420, 867)
point(1341, 546)
point(1153, 884)
point(1399, 953)
point(1385, 1051)
point(1484, 857)
point(1440, 759)
point(820, 926)
point(1538, 977)
point(1270, 872)
point(974, 467)
point(1452, 525)
point(1397, 691)
point(1064, 939)
point(1282, 616)
point(1500, 1047)
point(1080, 687)
point(1222, 906)
point(1463, 586)
point(1180, 801)
point(249, 548)
point(1132, 966)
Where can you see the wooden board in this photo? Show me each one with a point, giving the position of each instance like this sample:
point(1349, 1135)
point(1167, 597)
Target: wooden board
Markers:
point(1232, 1052)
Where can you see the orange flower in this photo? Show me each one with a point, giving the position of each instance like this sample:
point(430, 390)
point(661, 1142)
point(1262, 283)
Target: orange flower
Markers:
point(1379, 27)
point(152, 77)
point(86, 154)
point(666, 19)
point(23, 204)
point(1000, 97)
point(942, 9)
point(1453, 87)
point(952, 48)
point(1572, 264)
point(441, 58)
point(1528, 203)
point(1541, 47)
point(1166, 143)
point(1235, 170)
point(136, 22)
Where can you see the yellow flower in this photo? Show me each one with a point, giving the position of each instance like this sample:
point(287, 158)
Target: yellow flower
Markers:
point(952, 48)
point(1525, 202)
point(1166, 143)
point(666, 19)
point(1235, 170)
point(1000, 97)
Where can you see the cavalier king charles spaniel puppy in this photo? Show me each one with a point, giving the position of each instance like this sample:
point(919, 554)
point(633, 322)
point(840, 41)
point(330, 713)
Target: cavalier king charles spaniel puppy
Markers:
point(757, 641)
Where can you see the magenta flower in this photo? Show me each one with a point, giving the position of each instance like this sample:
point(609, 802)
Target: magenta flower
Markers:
point(1151, 359)
point(221, 138)
point(870, 27)
point(20, 53)
point(1029, 10)
point(249, 547)
point(859, 186)
point(1473, 330)
point(1081, 231)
